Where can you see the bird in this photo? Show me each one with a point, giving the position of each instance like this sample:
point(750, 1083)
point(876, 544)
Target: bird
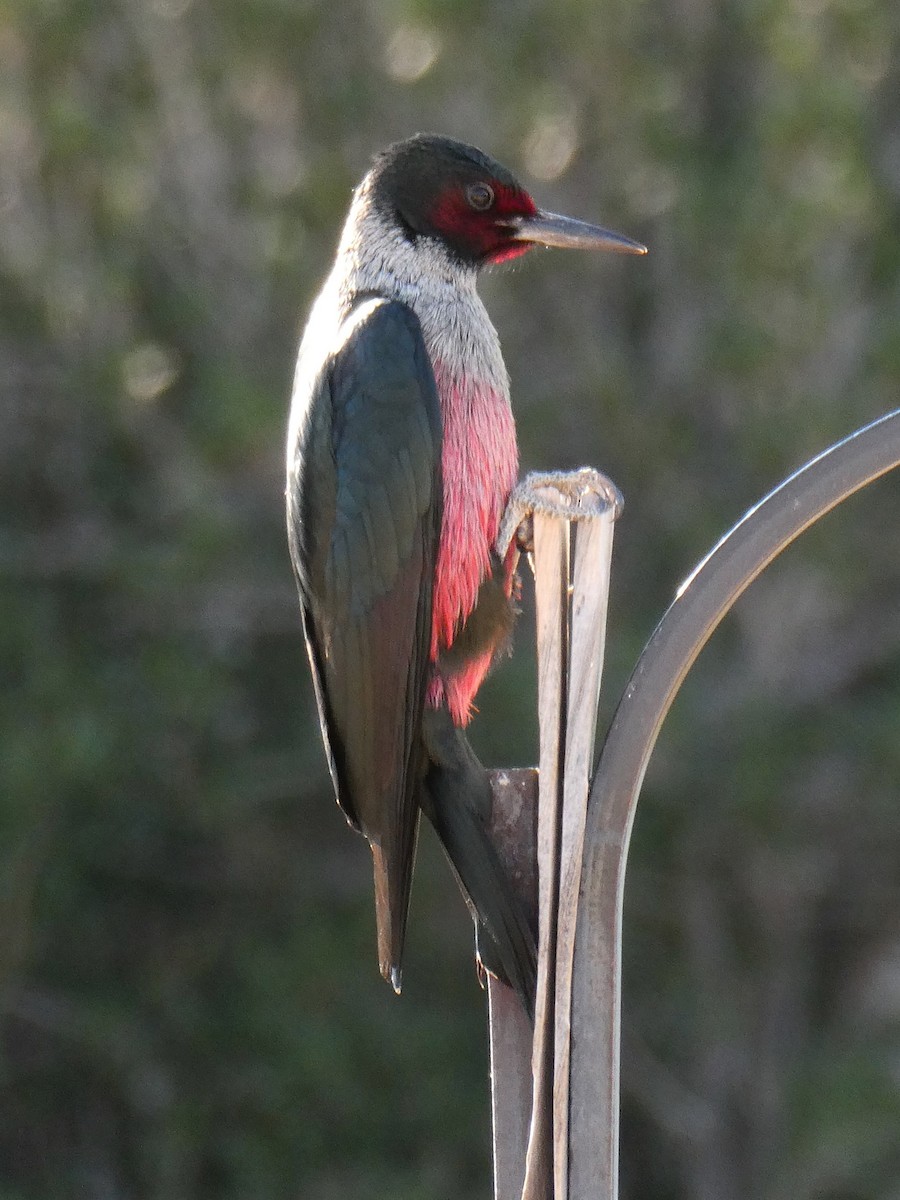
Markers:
point(401, 456)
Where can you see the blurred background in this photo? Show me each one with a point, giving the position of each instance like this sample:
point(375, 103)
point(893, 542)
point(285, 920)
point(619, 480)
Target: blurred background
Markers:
point(191, 1008)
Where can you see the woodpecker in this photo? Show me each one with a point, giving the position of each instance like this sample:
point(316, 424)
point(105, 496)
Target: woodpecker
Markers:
point(401, 456)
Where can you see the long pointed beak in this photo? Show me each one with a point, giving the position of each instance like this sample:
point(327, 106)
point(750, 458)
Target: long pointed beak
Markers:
point(550, 229)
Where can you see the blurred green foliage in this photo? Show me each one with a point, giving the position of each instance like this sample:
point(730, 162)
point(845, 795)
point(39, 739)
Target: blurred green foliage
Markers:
point(191, 1006)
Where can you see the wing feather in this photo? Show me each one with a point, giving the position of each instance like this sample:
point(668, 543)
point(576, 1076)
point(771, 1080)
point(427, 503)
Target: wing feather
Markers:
point(364, 498)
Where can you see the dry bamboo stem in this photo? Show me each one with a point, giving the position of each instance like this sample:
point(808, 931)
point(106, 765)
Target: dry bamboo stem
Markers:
point(590, 580)
point(572, 526)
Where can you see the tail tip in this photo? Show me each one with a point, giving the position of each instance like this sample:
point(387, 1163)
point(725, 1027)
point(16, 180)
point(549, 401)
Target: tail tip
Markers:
point(390, 918)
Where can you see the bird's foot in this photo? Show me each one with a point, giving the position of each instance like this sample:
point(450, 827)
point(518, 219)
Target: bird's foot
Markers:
point(574, 495)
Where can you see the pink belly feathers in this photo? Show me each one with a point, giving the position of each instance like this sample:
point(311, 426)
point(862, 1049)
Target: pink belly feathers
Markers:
point(479, 465)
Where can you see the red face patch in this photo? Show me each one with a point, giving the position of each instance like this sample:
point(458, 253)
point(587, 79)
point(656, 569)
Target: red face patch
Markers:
point(483, 233)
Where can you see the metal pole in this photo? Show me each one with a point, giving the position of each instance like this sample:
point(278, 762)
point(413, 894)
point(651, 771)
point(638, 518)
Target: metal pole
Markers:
point(701, 602)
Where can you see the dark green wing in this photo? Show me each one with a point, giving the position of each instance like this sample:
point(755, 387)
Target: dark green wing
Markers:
point(363, 523)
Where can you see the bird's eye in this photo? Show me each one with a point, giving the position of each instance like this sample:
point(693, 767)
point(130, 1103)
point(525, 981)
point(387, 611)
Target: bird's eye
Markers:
point(480, 196)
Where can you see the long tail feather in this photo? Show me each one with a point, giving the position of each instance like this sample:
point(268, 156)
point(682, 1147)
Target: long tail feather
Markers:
point(393, 874)
point(457, 801)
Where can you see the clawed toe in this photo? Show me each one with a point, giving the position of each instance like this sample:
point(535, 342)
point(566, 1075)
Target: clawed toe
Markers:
point(575, 495)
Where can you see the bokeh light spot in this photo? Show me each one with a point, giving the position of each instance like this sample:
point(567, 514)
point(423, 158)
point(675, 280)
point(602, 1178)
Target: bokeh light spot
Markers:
point(411, 52)
point(550, 145)
point(149, 370)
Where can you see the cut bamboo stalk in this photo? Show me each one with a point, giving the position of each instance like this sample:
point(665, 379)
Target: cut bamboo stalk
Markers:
point(572, 523)
point(511, 1037)
point(514, 833)
point(551, 558)
point(589, 600)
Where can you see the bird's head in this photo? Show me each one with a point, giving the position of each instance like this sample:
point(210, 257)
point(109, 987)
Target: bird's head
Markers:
point(436, 188)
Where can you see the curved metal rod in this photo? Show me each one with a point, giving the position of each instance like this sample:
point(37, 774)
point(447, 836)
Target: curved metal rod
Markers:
point(701, 603)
